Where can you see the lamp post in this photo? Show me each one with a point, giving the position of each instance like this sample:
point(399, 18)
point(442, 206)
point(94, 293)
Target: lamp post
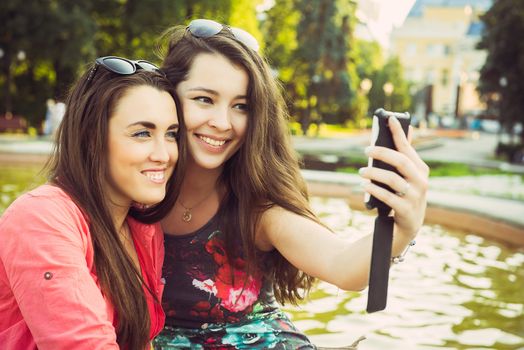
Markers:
point(388, 90)
point(21, 55)
point(365, 85)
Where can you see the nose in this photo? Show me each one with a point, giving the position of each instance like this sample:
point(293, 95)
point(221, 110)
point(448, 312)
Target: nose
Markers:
point(221, 119)
point(163, 151)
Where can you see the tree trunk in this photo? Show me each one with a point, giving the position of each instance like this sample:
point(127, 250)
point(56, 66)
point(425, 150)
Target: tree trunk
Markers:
point(6, 68)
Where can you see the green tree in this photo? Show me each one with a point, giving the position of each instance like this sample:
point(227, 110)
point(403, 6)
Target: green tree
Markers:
point(131, 28)
point(503, 72)
point(18, 24)
point(45, 43)
point(64, 41)
point(243, 14)
point(42, 42)
point(324, 37)
point(398, 97)
point(278, 25)
point(368, 58)
point(369, 61)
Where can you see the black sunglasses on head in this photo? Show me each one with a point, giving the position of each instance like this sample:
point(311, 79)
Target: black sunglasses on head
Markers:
point(205, 28)
point(123, 66)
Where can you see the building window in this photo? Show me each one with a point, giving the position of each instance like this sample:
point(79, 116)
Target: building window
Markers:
point(444, 79)
point(411, 49)
point(408, 73)
point(430, 76)
point(435, 50)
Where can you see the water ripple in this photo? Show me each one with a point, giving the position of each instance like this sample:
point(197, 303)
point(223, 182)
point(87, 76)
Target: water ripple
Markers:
point(455, 290)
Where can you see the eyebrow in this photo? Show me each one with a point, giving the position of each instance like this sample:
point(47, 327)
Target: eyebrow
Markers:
point(214, 92)
point(150, 125)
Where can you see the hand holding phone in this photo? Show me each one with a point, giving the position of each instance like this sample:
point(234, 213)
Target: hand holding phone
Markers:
point(381, 136)
point(384, 224)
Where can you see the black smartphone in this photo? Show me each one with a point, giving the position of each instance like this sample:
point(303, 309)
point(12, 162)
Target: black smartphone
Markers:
point(381, 136)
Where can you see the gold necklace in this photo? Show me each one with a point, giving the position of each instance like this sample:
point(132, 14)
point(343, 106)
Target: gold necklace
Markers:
point(187, 215)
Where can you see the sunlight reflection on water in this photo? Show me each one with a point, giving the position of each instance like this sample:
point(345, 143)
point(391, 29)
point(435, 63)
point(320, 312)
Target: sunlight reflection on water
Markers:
point(454, 291)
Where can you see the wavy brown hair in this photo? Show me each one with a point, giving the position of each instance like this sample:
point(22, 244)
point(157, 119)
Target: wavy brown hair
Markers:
point(79, 165)
point(265, 171)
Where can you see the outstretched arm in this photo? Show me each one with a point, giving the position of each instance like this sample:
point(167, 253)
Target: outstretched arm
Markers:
point(315, 250)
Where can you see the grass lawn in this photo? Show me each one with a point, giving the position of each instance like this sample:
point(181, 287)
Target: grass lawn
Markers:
point(437, 169)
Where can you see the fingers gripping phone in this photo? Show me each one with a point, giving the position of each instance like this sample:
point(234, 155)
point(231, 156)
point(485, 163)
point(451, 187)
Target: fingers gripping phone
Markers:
point(381, 136)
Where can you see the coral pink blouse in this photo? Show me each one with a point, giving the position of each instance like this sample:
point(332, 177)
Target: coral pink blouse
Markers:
point(49, 292)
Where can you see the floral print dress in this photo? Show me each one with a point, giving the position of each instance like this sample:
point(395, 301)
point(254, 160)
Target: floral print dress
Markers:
point(211, 303)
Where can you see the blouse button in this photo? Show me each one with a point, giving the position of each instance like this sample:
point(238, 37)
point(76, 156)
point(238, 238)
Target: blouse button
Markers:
point(48, 275)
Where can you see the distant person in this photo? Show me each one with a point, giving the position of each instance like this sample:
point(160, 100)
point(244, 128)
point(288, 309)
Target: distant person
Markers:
point(54, 114)
point(80, 263)
point(242, 235)
point(49, 116)
point(57, 116)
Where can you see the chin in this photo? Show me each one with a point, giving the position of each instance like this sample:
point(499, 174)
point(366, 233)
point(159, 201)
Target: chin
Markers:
point(151, 200)
point(211, 164)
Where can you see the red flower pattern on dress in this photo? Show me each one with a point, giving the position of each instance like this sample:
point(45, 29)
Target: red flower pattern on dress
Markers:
point(236, 290)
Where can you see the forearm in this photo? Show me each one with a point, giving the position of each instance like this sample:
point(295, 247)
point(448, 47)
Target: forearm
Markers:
point(354, 262)
point(401, 241)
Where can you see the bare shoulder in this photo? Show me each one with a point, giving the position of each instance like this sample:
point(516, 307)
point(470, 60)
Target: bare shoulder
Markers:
point(273, 218)
point(276, 223)
point(267, 224)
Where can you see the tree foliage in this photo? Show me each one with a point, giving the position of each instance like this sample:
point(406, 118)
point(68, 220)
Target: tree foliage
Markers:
point(45, 43)
point(321, 64)
point(309, 43)
point(392, 73)
point(42, 43)
point(502, 75)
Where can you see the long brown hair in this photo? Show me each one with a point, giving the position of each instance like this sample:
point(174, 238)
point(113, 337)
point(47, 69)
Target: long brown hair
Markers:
point(254, 183)
point(79, 165)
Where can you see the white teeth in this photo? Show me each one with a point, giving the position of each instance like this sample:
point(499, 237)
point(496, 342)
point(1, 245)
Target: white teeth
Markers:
point(155, 176)
point(212, 142)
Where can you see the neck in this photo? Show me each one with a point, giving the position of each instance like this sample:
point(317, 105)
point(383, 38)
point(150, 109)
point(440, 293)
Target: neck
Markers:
point(198, 180)
point(197, 202)
point(118, 214)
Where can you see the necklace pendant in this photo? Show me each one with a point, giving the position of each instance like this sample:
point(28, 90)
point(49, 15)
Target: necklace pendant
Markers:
point(186, 216)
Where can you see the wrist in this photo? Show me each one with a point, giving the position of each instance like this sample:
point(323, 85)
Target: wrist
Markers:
point(402, 241)
point(405, 235)
point(400, 258)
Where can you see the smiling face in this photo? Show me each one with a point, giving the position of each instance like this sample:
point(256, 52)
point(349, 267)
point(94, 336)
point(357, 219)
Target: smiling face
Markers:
point(214, 101)
point(142, 146)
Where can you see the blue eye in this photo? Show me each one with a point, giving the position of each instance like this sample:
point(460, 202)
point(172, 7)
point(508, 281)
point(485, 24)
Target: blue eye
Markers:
point(242, 106)
point(203, 99)
point(173, 134)
point(142, 133)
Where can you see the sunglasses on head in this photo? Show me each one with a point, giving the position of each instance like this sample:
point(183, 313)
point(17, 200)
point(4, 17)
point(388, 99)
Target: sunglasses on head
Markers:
point(205, 28)
point(123, 66)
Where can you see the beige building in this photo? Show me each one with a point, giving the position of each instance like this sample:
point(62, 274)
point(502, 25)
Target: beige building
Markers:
point(437, 47)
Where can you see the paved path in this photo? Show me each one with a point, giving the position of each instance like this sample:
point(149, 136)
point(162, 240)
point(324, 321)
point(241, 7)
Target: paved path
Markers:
point(464, 147)
point(23, 145)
